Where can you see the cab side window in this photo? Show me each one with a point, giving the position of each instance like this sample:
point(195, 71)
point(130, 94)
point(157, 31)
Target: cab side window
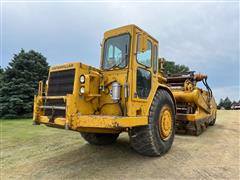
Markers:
point(143, 83)
point(144, 58)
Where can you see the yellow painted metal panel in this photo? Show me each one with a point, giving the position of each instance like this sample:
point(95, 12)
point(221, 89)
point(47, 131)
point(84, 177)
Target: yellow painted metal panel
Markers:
point(99, 121)
point(111, 121)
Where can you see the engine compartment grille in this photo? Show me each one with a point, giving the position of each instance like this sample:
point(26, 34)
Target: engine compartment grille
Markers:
point(53, 113)
point(61, 83)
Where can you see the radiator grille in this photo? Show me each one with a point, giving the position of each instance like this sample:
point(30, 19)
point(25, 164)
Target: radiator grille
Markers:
point(61, 83)
point(56, 112)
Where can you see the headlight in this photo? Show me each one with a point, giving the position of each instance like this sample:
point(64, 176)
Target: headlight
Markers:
point(82, 79)
point(82, 90)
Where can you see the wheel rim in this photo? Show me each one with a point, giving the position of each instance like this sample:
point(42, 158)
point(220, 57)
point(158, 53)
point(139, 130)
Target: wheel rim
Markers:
point(165, 123)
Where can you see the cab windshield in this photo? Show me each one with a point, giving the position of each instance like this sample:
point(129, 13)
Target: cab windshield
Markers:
point(116, 52)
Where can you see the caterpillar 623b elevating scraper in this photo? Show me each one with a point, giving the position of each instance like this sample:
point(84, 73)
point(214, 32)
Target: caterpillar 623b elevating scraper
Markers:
point(129, 93)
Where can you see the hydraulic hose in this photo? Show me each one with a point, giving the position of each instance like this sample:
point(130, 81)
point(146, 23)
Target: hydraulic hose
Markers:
point(208, 88)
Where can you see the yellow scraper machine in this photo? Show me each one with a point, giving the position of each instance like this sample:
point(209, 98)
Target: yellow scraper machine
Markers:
point(128, 93)
point(196, 108)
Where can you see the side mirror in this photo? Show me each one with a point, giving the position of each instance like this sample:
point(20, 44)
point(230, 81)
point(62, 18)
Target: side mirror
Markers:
point(161, 62)
point(142, 40)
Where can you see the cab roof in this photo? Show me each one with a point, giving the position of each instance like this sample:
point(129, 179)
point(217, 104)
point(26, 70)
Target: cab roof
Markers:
point(127, 28)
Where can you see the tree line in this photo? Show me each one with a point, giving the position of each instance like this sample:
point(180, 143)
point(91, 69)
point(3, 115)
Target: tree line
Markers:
point(226, 103)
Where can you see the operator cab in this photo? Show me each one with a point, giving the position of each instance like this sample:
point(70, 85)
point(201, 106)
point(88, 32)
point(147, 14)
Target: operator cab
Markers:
point(132, 50)
point(116, 52)
point(119, 44)
point(130, 58)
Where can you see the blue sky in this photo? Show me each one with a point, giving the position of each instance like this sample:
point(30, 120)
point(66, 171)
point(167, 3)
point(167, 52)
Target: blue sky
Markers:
point(204, 36)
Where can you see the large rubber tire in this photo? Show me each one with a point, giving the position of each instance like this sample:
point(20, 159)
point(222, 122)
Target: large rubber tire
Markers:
point(147, 140)
point(99, 138)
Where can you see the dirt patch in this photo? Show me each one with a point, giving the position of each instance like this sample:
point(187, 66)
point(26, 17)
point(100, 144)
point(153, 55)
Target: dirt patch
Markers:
point(47, 153)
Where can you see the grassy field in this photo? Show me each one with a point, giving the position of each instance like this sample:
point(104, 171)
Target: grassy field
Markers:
point(40, 152)
point(21, 140)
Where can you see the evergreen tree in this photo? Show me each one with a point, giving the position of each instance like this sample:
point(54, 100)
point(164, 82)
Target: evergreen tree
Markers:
point(170, 67)
point(227, 103)
point(234, 102)
point(1, 76)
point(20, 83)
point(1, 71)
point(220, 104)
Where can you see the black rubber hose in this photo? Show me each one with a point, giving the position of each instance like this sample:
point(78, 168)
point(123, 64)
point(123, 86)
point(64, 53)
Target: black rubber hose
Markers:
point(208, 88)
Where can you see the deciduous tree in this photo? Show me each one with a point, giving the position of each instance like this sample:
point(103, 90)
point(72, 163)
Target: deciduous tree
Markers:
point(170, 67)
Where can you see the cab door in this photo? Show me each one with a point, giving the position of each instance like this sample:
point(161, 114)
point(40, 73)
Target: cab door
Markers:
point(143, 69)
point(144, 73)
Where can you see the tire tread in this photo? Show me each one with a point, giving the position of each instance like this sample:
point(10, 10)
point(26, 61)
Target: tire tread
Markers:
point(142, 138)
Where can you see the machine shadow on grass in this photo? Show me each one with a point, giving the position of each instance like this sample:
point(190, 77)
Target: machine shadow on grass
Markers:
point(87, 160)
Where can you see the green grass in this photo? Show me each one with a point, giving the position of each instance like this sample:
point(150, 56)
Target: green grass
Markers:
point(22, 130)
point(20, 140)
